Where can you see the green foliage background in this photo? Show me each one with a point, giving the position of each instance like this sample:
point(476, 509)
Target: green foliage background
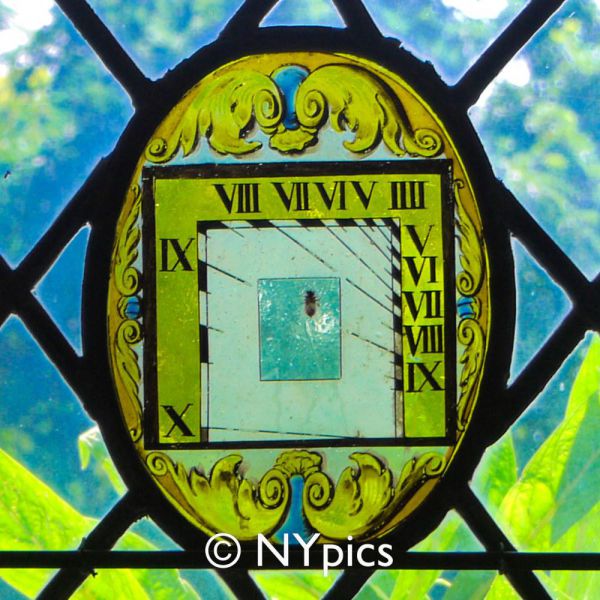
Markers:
point(60, 111)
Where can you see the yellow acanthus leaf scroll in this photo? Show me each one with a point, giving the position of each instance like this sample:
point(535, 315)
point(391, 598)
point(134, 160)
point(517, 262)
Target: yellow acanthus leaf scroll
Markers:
point(127, 277)
point(222, 111)
point(225, 501)
point(470, 334)
point(354, 100)
point(128, 334)
point(469, 281)
point(365, 498)
point(355, 503)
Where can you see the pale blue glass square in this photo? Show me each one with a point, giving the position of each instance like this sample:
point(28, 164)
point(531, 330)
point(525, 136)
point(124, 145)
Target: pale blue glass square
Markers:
point(300, 336)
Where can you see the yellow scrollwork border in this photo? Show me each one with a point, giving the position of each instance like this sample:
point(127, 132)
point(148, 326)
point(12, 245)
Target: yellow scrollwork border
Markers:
point(363, 500)
point(470, 331)
point(127, 332)
point(224, 112)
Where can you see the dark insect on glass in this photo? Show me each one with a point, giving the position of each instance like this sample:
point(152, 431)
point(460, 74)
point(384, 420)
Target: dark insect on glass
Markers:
point(311, 303)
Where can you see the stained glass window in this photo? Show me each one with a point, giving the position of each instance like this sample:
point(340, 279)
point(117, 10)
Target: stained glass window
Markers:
point(65, 104)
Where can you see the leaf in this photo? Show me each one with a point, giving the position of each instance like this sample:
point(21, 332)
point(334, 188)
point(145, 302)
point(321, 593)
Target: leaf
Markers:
point(550, 494)
point(495, 476)
point(583, 536)
point(98, 588)
point(451, 534)
point(93, 452)
point(34, 517)
point(501, 590)
point(159, 584)
point(545, 498)
point(470, 584)
point(298, 585)
point(577, 492)
point(497, 472)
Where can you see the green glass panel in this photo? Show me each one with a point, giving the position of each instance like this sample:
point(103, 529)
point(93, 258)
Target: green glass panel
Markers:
point(299, 328)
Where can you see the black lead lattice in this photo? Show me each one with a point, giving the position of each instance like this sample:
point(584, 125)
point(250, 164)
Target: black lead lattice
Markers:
point(151, 99)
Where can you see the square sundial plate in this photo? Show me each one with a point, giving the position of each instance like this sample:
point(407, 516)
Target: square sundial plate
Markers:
point(299, 309)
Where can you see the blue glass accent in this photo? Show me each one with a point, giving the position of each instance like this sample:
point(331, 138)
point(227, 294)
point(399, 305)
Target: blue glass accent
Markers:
point(299, 328)
point(295, 521)
point(288, 80)
point(465, 307)
point(133, 310)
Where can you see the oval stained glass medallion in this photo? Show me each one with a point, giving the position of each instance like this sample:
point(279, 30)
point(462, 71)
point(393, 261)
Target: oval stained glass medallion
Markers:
point(300, 302)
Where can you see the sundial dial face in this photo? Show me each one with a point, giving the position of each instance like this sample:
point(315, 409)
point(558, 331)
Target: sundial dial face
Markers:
point(299, 300)
point(321, 288)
